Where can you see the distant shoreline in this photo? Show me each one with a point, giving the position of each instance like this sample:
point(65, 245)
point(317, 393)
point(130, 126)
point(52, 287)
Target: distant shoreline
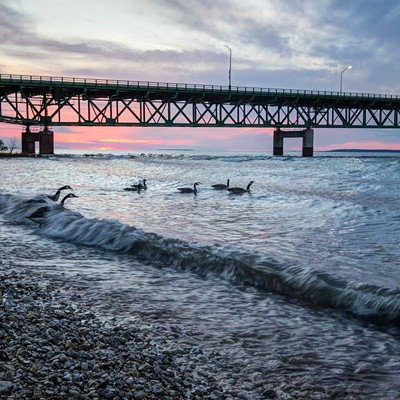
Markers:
point(16, 154)
point(362, 151)
point(10, 155)
point(175, 150)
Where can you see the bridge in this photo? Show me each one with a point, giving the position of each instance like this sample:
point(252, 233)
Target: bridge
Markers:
point(41, 101)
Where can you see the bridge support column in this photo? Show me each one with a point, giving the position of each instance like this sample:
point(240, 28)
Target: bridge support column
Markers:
point(46, 141)
point(306, 134)
point(28, 140)
point(308, 142)
point(45, 138)
point(278, 142)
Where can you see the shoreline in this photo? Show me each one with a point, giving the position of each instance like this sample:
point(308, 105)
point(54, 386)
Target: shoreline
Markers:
point(54, 344)
point(54, 348)
point(16, 155)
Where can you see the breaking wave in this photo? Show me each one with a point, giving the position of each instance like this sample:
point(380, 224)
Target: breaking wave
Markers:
point(240, 268)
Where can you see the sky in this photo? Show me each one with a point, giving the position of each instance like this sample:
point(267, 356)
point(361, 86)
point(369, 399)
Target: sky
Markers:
point(289, 44)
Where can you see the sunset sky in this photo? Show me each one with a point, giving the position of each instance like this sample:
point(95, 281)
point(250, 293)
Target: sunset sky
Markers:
point(298, 44)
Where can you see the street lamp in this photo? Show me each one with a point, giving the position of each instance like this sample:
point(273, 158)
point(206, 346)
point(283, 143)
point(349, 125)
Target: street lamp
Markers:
point(230, 65)
point(341, 77)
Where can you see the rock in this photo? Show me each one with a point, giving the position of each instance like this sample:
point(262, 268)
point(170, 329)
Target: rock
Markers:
point(57, 351)
point(4, 356)
point(5, 386)
point(139, 396)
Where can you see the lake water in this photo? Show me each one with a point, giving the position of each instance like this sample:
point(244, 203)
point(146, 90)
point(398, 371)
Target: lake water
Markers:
point(297, 282)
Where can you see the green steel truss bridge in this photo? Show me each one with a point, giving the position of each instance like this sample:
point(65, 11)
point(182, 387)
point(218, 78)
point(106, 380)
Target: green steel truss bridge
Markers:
point(60, 101)
point(39, 100)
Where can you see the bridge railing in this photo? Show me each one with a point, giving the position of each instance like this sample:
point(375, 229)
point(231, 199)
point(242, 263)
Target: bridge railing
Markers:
point(124, 84)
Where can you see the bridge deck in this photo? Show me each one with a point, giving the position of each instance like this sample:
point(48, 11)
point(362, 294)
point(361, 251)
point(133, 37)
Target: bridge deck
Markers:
point(61, 87)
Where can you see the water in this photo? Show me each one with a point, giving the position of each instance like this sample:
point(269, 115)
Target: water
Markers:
point(296, 282)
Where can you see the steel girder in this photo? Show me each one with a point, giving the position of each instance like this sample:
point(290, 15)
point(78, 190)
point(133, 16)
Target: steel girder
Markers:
point(84, 109)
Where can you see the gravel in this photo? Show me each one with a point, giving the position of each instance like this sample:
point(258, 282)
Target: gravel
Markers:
point(52, 348)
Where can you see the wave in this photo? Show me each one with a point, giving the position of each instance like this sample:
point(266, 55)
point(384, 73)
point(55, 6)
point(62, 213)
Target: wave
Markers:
point(240, 268)
point(176, 155)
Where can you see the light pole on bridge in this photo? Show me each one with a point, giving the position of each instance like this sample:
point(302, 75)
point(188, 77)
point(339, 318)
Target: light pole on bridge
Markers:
point(341, 77)
point(230, 65)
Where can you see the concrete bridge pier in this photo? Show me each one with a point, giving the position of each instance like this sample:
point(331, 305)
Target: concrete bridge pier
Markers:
point(45, 137)
point(306, 134)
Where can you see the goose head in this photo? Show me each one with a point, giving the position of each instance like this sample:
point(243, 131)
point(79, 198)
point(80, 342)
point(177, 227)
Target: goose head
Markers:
point(68, 196)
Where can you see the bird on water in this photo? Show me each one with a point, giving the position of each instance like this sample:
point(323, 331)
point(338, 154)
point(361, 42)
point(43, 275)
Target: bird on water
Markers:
point(189, 189)
point(42, 198)
point(40, 213)
point(137, 187)
point(239, 190)
point(221, 186)
point(56, 196)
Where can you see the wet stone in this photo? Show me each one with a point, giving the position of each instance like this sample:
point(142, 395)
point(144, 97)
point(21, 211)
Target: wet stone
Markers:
point(56, 348)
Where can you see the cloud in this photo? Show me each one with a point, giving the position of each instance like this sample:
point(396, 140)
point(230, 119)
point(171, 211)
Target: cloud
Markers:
point(299, 44)
point(293, 37)
point(15, 22)
point(75, 55)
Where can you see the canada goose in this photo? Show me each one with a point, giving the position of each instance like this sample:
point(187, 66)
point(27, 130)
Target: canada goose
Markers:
point(56, 196)
point(221, 186)
point(137, 187)
point(189, 189)
point(43, 197)
point(239, 190)
point(40, 213)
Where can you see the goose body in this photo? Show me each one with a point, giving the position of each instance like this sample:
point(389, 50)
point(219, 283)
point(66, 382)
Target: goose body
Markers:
point(239, 190)
point(189, 189)
point(221, 186)
point(40, 213)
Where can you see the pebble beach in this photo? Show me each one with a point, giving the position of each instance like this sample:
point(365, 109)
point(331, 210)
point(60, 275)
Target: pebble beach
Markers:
point(55, 348)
